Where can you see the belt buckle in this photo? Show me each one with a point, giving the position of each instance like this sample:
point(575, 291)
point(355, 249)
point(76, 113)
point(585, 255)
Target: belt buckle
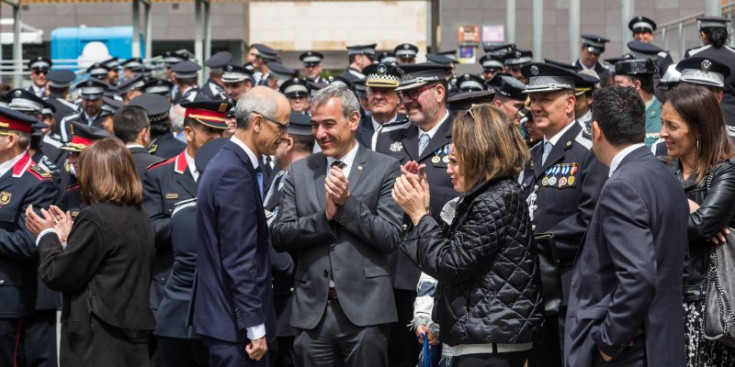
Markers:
point(332, 293)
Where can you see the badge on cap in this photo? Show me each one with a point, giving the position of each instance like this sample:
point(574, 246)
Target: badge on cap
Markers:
point(396, 147)
point(5, 197)
point(222, 107)
point(18, 93)
point(534, 70)
point(229, 67)
point(382, 69)
point(706, 65)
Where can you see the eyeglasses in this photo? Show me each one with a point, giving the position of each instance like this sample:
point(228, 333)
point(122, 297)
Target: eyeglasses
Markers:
point(41, 70)
point(281, 127)
point(413, 94)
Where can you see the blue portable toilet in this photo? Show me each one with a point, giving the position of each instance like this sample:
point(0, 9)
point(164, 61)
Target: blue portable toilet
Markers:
point(69, 42)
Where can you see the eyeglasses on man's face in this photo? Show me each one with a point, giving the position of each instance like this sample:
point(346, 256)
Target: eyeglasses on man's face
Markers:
point(281, 126)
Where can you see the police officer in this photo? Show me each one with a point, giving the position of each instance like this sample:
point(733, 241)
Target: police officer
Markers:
point(359, 57)
point(163, 142)
point(237, 80)
point(426, 141)
point(213, 88)
point(509, 94)
point(174, 180)
point(470, 83)
point(82, 137)
point(383, 101)
point(313, 66)
point(186, 78)
point(592, 47)
point(91, 91)
point(562, 183)
point(22, 183)
point(405, 53)
point(130, 65)
point(638, 74)
point(39, 68)
point(585, 88)
point(100, 72)
point(59, 82)
point(491, 65)
point(169, 60)
point(714, 35)
point(158, 86)
point(113, 76)
point(515, 60)
point(297, 93)
point(259, 57)
point(642, 29)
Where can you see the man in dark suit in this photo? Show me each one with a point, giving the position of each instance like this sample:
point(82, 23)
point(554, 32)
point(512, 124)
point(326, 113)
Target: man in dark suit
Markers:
point(21, 183)
point(131, 125)
point(383, 101)
point(626, 293)
point(425, 140)
point(561, 182)
point(233, 300)
point(337, 212)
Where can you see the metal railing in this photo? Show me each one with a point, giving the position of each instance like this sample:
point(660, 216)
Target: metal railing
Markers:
point(10, 71)
point(677, 36)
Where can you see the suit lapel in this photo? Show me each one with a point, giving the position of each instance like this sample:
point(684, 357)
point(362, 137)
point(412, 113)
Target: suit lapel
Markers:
point(536, 155)
point(320, 175)
point(357, 168)
point(411, 143)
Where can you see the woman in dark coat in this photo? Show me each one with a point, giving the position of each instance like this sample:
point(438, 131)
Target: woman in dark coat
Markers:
point(489, 292)
point(101, 262)
point(701, 156)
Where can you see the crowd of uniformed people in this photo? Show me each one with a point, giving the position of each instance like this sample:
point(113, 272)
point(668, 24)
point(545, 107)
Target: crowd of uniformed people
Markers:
point(173, 127)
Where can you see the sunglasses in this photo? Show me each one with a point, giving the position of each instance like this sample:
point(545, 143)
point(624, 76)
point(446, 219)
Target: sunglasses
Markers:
point(40, 70)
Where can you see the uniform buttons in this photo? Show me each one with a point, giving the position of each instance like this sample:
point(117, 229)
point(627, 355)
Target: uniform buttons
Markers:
point(535, 187)
point(533, 227)
point(326, 273)
point(2, 281)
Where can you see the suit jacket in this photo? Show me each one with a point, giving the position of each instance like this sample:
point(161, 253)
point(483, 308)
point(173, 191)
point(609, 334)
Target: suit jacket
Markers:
point(65, 124)
point(628, 278)
point(352, 249)
point(165, 184)
point(365, 131)
point(142, 159)
point(22, 185)
point(105, 273)
point(167, 146)
point(403, 144)
point(232, 289)
point(564, 210)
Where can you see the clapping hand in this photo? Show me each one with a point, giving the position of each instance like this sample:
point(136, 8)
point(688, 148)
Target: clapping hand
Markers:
point(337, 188)
point(51, 218)
point(412, 195)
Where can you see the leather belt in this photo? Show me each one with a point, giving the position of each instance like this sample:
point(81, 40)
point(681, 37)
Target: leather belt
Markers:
point(332, 293)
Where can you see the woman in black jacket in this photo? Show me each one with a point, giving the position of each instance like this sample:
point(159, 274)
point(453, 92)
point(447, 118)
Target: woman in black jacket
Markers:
point(101, 262)
point(701, 155)
point(489, 293)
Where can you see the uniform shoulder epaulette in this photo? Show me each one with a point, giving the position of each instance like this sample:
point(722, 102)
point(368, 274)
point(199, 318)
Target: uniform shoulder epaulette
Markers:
point(39, 172)
point(72, 187)
point(162, 163)
point(152, 149)
point(729, 48)
point(695, 50)
point(584, 138)
point(395, 125)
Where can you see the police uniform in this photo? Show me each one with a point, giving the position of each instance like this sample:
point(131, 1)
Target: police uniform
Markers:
point(384, 76)
point(644, 68)
point(169, 182)
point(187, 70)
point(39, 64)
point(158, 86)
point(470, 83)
point(211, 88)
point(647, 25)
point(90, 89)
point(60, 79)
point(351, 73)
point(561, 195)
point(642, 50)
point(405, 53)
point(725, 55)
point(402, 143)
point(267, 55)
point(23, 183)
point(311, 58)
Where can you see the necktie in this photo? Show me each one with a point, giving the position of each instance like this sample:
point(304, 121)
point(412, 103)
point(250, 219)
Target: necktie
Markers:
point(274, 187)
point(423, 142)
point(259, 174)
point(339, 164)
point(547, 150)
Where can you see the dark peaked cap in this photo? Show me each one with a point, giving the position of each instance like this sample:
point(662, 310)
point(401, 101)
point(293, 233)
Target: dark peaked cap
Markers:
point(544, 77)
point(418, 75)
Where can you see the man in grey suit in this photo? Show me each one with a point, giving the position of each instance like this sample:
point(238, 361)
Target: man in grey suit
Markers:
point(625, 303)
point(337, 212)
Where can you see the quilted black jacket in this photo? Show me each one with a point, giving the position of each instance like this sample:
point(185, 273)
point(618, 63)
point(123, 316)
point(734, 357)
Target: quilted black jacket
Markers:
point(489, 288)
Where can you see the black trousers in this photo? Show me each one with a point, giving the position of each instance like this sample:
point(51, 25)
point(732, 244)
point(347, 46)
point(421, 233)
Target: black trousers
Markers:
point(516, 359)
point(40, 339)
point(634, 356)
point(175, 352)
point(228, 354)
point(403, 346)
point(547, 347)
point(12, 340)
point(335, 341)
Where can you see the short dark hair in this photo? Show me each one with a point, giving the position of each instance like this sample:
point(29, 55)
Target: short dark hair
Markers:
point(620, 114)
point(646, 82)
point(129, 121)
point(303, 143)
point(716, 36)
